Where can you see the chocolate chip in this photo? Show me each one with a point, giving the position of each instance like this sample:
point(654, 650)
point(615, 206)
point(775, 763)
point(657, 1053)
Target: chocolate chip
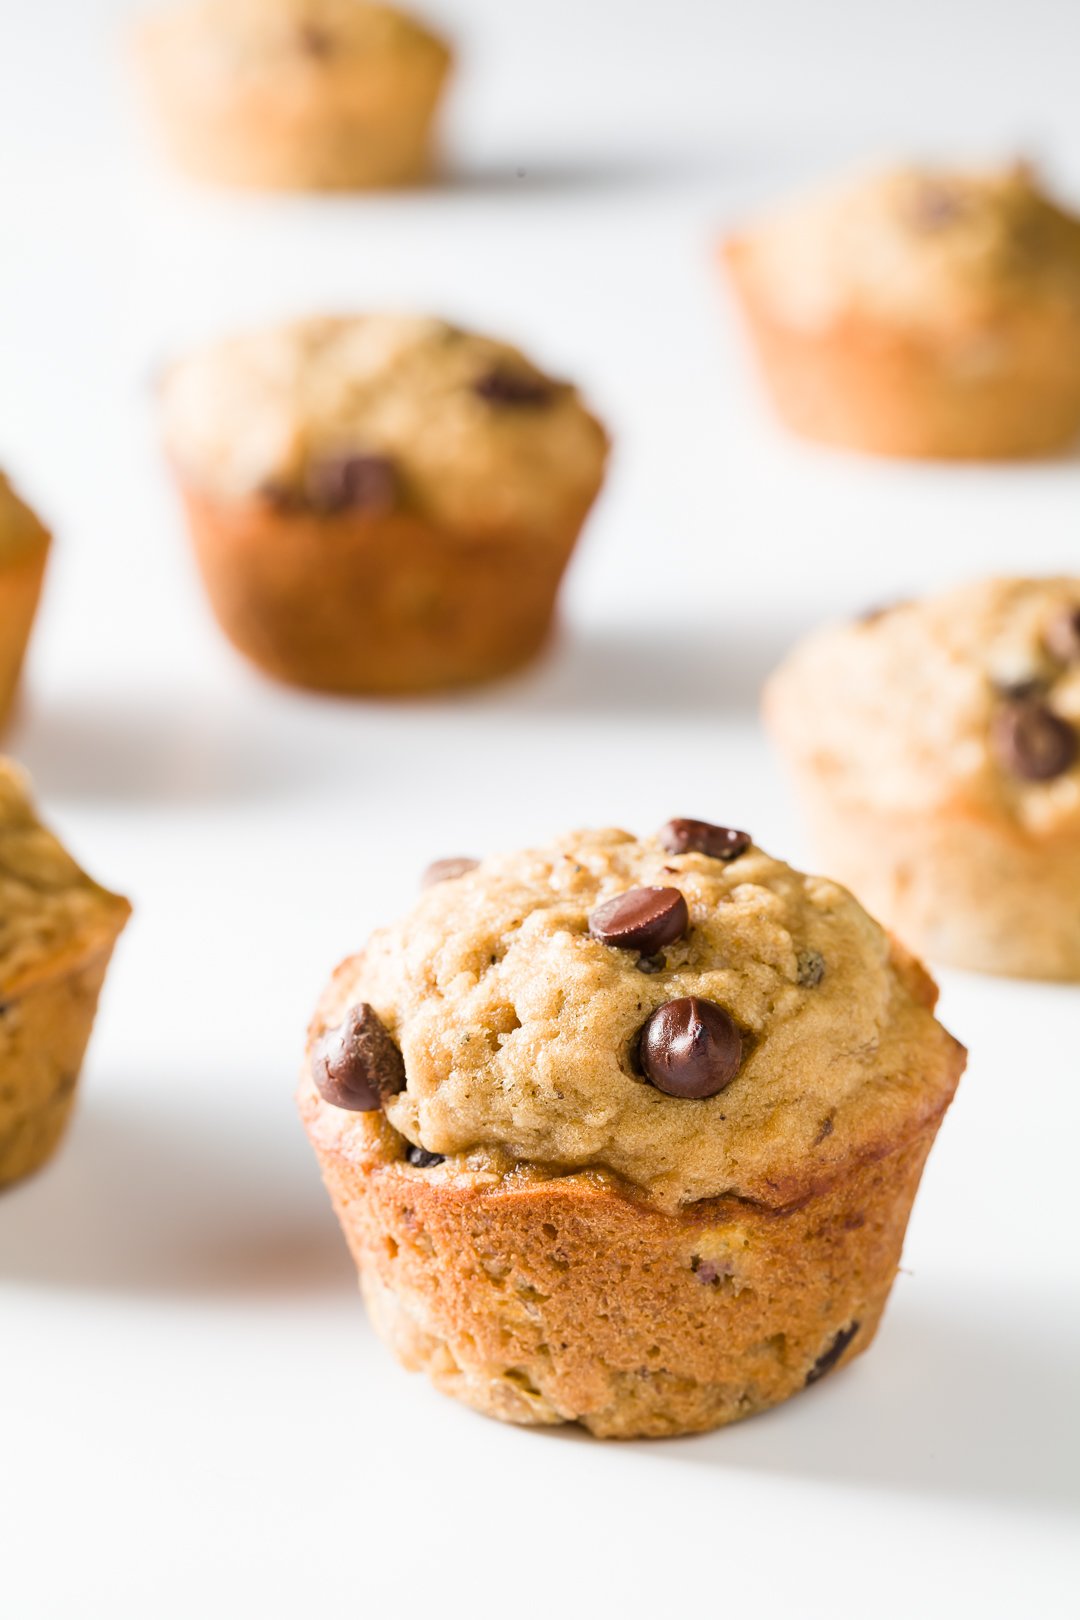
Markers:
point(828, 1361)
point(504, 386)
point(652, 964)
point(811, 968)
point(707, 1271)
point(357, 1066)
point(422, 1159)
point(684, 836)
point(1032, 742)
point(315, 41)
point(352, 483)
point(1063, 636)
point(690, 1048)
point(452, 866)
point(641, 920)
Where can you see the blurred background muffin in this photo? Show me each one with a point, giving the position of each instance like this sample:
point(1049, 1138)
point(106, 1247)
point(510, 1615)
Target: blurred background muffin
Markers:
point(24, 548)
point(380, 503)
point(294, 94)
point(919, 312)
point(936, 750)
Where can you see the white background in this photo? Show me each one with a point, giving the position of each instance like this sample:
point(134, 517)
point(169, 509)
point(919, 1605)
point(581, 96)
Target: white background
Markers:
point(195, 1419)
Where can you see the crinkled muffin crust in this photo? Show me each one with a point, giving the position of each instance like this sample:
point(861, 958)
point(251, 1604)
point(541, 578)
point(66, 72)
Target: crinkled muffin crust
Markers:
point(551, 1237)
point(937, 745)
point(268, 411)
point(57, 931)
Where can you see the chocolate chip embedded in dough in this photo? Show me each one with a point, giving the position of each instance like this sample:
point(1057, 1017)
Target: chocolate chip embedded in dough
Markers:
point(825, 1363)
point(504, 386)
point(690, 1048)
point(642, 920)
point(684, 836)
point(811, 968)
point(357, 1066)
point(1062, 636)
point(422, 1159)
point(351, 483)
point(453, 866)
point(1032, 742)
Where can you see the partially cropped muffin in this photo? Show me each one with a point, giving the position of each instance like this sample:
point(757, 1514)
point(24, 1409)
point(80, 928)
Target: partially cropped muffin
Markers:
point(382, 503)
point(24, 549)
point(295, 94)
point(935, 748)
point(919, 312)
point(626, 1132)
point(57, 931)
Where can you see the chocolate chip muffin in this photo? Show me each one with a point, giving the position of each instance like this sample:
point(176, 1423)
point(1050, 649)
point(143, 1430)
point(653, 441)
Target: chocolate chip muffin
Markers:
point(919, 312)
point(625, 1132)
point(24, 549)
point(935, 747)
point(57, 931)
point(380, 504)
point(294, 94)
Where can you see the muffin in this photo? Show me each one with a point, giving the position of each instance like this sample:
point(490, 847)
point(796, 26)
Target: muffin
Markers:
point(294, 94)
point(919, 313)
point(380, 504)
point(625, 1132)
point(24, 547)
point(57, 931)
point(935, 748)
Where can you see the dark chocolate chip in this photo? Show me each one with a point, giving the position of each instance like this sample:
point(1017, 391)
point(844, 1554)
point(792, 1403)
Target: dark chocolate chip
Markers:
point(642, 920)
point(422, 1159)
point(1063, 636)
point(690, 1048)
point(811, 968)
point(357, 1066)
point(652, 964)
point(504, 386)
point(827, 1362)
point(684, 836)
point(707, 1271)
point(1032, 742)
point(452, 866)
point(352, 483)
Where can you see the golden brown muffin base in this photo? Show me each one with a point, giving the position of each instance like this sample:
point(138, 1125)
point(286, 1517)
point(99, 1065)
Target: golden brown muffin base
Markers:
point(44, 1031)
point(972, 892)
point(20, 589)
point(375, 604)
point(332, 135)
point(863, 385)
point(568, 1300)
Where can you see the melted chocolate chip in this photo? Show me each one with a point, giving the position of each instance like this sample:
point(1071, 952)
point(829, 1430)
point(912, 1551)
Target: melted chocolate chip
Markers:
point(452, 866)
point(503, 386)
point(811, 968)
point(1032, 742)
point(827, 1362)
point(642, 920)
point(1063, 636)
point(422, 1159)
point(357, 1066)
point(690, 1048)
point(352, 483)
point(684, 836)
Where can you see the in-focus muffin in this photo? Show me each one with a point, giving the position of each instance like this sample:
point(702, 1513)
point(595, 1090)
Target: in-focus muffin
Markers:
point(626, 1132)
point(295, 94)
point(919, 312)
point(935, 749)
point(383, 503)
point(24, 548)
point(57, 931)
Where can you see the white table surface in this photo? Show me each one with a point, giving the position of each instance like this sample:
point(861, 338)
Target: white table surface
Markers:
point(195, 1418)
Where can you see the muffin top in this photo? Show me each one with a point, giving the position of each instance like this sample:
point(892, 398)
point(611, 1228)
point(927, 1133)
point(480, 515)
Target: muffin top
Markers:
point(967, 702)
point(253, 37)
point(51, 913)
point(20, 530)
point(923, 247)
point(375, 412)
point(737, 1029)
